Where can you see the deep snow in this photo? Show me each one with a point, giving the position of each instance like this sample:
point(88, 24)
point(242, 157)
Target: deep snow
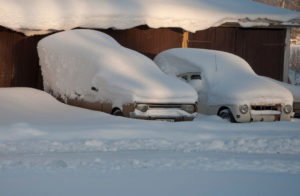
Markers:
point(48, 148)
point(41, 16)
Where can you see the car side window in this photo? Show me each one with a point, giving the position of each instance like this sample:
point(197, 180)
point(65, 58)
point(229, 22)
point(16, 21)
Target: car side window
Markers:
point(185, 78)
point(196, 77)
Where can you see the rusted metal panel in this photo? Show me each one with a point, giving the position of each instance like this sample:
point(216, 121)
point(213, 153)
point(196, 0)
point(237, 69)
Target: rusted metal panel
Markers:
point(148, 41)
point(262, 48)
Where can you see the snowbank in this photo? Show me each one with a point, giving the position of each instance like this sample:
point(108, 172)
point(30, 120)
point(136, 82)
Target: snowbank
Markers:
point(74, 61)
point(42, 16)
point(49, 148)
point(227, 78)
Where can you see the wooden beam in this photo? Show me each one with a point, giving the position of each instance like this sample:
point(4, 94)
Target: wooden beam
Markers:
point(286, 63)
point(185, 39)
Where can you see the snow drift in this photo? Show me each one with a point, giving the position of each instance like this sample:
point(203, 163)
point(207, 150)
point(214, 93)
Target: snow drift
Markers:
point(42, 16)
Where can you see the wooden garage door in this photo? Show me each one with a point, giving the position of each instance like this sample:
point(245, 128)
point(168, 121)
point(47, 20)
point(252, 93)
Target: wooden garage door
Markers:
point(19, 63)
point(148, 41)
point(263, 49)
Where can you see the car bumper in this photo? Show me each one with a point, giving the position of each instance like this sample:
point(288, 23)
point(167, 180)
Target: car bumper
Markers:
point(262, 116)
point(163, 114)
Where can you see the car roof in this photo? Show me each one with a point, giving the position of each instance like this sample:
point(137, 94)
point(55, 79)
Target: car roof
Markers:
point(181, 60)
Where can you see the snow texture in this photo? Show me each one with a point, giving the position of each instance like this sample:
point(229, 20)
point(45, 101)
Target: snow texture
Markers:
point(49, 148)
point(294, 89)
point(226, 78)
point(43, 16)
point(74, 61)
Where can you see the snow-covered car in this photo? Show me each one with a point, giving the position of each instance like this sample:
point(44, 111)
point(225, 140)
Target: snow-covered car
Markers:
point(295, 90)
point(227, 85)
point(89, 69)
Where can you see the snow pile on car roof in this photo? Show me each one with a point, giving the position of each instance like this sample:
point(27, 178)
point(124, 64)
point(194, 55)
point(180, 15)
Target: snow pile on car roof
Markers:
point(41, 16)
point(226, 77)
point(74, 61)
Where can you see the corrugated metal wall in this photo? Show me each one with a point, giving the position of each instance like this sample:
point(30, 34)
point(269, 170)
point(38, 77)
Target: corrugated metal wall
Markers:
point(262, 48)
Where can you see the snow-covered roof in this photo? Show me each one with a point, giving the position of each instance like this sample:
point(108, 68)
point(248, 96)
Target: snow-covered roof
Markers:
point(42, 16)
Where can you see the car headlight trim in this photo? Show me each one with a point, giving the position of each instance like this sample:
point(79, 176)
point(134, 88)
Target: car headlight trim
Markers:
point(287, 109)
point(142, 107)
point(244, 109)
point(189, 108)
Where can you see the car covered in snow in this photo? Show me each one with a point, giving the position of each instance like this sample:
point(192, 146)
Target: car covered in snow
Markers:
point(227, 85)
point(295, 90)
point(89, 69)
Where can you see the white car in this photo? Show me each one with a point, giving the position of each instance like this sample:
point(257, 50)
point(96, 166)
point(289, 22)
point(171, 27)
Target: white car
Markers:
point(295, 90)
point(88, 68)
point(227, 86)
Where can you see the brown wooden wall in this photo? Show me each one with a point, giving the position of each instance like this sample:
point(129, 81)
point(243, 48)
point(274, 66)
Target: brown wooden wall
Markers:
point(19, 63)
point(263, 49)
point(148, 41)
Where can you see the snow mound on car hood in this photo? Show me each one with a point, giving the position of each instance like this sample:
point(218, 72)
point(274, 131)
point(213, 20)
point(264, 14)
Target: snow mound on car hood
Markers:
point(74, 61)
point(228, 79)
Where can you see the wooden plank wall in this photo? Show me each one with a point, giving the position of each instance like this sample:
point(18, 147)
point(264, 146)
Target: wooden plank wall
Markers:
point(19, 60)
point(148, 41)
point(262, 48)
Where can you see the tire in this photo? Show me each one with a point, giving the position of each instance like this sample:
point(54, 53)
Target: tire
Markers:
point(117, 112)
point(226, 115)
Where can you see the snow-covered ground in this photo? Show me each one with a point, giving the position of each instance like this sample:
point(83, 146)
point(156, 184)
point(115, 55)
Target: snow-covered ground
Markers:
point(48, 148)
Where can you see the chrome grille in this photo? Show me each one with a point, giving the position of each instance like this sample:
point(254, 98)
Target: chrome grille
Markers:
point(265, 107)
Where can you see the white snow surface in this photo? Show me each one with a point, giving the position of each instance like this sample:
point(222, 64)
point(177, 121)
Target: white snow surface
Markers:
point(74, 61)
point(226, 78)
point(41, 16)
point(49, 148)
point(294, 89)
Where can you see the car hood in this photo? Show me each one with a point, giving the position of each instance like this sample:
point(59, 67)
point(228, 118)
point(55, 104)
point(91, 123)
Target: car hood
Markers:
point(161, 89)
point(248, 90)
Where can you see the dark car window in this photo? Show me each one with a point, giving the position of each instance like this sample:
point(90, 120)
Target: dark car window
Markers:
point(196, 77)
point(184, 77)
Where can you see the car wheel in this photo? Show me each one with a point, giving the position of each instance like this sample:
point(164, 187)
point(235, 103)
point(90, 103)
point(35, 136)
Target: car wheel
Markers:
point(117, 112)
point(226, 115)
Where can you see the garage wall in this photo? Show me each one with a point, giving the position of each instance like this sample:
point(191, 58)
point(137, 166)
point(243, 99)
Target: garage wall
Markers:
point(148, 41)
point(19, 60)
point(262, 48)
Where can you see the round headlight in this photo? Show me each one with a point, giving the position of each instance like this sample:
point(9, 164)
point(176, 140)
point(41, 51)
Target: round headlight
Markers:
point(287, 109)
point(142, 107)
point(188, 108)
point(244, 109)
